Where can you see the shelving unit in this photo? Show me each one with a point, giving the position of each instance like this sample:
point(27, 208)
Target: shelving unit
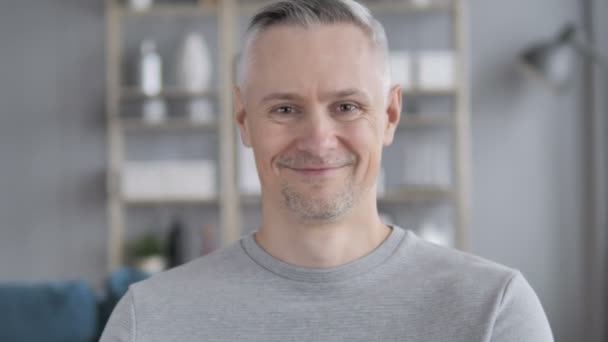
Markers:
point(229, 202)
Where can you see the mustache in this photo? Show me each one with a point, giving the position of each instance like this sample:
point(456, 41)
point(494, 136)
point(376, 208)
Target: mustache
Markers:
point(306, 160)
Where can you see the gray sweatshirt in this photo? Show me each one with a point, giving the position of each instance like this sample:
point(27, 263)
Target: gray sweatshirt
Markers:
point(404, 290)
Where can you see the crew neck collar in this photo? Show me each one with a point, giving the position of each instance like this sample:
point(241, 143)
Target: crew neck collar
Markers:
point(324, 275)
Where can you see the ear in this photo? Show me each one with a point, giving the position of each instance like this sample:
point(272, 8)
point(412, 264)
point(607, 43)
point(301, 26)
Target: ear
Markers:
point(241, 116)
point(393, 114)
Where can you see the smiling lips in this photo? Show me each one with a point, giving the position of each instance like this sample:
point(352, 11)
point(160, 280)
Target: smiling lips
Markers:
point(306, 164)
point(317, 170)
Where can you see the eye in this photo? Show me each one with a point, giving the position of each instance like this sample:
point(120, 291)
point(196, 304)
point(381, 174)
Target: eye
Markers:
point(347, 110)
point(347, 107)
point(284, 113)
point(284, 110)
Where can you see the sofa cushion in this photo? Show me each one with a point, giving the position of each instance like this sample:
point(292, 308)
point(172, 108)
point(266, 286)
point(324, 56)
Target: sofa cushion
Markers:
point(50, 312)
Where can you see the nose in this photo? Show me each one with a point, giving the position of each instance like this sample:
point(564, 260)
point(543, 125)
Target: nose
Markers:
point(317, 133)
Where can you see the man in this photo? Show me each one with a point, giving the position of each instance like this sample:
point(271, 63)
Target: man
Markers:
point(314, 102)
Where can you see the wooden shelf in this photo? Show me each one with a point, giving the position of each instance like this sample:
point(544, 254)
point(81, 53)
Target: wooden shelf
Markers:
point(160, 10)
point(136, 124)
point(417, 194)
point(132, 93)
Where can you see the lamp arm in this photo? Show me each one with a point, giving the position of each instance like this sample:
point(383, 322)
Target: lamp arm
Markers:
point(589, 52)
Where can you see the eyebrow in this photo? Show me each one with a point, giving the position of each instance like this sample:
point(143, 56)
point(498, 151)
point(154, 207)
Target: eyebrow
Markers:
point(280, 96)
point(335, 94)
point(347, 93)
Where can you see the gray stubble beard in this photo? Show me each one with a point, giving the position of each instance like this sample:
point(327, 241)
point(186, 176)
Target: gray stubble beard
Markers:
point(311, 210)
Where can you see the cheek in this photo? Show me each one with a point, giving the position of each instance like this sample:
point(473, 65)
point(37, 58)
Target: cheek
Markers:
point(267, 142)
point(366, 141)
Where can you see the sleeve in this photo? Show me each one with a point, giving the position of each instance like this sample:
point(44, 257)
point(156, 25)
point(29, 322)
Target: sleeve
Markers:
point(121, 326)
point(520, 315)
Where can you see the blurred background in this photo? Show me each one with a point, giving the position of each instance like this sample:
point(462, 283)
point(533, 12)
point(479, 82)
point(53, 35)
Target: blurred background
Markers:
point(119, 158)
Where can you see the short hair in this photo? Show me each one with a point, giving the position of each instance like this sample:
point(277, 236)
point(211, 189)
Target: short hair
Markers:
point(306, 13)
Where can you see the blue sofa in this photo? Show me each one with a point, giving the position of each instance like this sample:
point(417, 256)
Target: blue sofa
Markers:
point(60, 311)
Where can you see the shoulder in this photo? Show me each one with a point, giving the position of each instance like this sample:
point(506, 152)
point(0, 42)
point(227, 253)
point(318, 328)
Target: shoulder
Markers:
point(189, 290)
point(463, 282)
point(453, 261)
point(452, 271)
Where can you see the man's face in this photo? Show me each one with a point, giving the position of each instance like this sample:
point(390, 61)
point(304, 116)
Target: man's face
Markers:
point(317, 114)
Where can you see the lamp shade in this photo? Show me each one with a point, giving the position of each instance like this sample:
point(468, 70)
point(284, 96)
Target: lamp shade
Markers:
point(553, 61)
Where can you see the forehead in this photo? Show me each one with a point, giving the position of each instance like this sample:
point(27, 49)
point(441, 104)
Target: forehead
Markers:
point(319, 57)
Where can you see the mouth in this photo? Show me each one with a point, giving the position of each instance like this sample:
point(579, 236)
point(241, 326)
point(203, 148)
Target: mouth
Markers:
point(317, 171)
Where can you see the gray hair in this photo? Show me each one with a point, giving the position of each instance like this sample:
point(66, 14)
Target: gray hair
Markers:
point(309, 12)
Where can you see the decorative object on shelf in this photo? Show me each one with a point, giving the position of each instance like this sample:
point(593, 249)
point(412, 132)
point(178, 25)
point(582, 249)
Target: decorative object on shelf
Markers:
point(140, 5)
point(176, 249)
point(191, 179)
point(194, 70)
point(194, 73)
point(141, 180)
point(147, 254)
point(150, 80)
point(402, 69)
point(169, 181)
point(249, 182)
point(426, 163)
point(150, 71)
point(436, 70)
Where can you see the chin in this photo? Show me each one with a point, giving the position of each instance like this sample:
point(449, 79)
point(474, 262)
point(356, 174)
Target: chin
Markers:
point(318, 206)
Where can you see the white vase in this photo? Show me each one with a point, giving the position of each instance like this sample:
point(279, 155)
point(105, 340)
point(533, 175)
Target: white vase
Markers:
point(150, 69)
point(194, 64)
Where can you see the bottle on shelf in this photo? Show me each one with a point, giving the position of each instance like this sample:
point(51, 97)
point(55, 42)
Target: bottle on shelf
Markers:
point(194, 74)
point(150, 82)
point(176, 250)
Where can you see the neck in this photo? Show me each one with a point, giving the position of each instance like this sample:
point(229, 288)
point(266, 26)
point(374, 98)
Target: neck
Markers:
point(322, 245)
